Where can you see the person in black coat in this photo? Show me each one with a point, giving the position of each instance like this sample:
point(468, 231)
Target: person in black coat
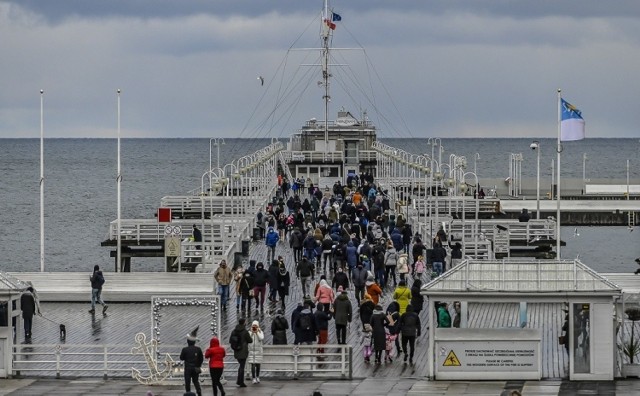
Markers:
point(379, 323)
point(417, 299)
point(273, 280)
point(410, 329)
point(279, 327)
point(193, 357)
point(306, 336)
point(241, 354)
point(28, 307)
point(322, 319)
point(297, 334)
point(340, 279)
point(366, 309)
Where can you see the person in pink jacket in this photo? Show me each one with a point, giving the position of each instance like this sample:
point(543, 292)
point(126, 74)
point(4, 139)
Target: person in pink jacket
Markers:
point(325, 295)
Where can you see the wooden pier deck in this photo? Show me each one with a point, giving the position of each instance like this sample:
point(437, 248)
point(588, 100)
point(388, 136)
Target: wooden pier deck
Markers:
point(126, 318)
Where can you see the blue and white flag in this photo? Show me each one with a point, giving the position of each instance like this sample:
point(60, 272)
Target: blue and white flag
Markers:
point(572, 123)
point(335, 17)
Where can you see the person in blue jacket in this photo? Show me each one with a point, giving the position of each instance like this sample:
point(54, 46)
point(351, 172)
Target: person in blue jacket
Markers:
point(271, 241)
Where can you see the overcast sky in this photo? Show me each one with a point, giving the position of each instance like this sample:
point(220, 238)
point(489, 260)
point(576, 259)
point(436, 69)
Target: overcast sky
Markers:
point(188, 68)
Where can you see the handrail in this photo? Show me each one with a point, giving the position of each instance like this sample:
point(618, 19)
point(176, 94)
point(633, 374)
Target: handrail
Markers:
point(116, 360)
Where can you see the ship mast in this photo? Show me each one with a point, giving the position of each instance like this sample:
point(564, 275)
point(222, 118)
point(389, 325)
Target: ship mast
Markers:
point(326, 34)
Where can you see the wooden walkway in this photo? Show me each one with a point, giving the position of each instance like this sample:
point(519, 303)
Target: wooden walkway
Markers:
point(124, 320)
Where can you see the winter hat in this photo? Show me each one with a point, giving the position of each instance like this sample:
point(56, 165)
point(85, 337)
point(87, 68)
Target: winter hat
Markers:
point(255, 323)
point(193, 336)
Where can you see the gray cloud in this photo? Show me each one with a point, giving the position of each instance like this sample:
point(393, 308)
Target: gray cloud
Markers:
point(189, 68)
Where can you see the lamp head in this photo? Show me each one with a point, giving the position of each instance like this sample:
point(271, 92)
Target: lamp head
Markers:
point(534, 145)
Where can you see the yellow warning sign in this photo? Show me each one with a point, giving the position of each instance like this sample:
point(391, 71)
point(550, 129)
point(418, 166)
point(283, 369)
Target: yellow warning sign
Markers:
point(451, 360)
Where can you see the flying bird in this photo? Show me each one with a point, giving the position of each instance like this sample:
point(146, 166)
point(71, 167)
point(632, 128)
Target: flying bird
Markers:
point(261, 80)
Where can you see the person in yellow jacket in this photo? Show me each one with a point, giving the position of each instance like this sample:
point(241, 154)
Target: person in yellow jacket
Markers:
point(402, 295)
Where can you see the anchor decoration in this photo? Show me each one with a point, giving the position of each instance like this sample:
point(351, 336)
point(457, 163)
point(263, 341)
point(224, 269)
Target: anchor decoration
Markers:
point(145, 348)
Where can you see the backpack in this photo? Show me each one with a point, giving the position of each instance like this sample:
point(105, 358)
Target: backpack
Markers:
point(98, 279)
point(305, 321)
point(234, 341)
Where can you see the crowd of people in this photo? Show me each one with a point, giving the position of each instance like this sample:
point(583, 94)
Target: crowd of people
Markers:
point(348, 253)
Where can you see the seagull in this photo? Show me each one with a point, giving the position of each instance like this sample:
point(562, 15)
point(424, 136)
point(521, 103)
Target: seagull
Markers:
point(575, 232)
point(261, 80)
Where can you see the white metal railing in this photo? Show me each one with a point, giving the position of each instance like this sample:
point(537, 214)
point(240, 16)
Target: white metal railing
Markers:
point(109, 360)
point(446, 205)
point(532, 231)
point(193, 205)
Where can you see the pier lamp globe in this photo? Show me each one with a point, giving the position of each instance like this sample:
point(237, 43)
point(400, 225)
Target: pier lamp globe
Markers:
point(438, 176)
point(236, 176)
point(463, 188)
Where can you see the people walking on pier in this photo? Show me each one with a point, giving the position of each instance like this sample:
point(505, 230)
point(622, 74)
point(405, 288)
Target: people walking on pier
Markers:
point(359, 279)
point(456, 253)
point(271, 240)
point(524, 216)
point(306, 325)
point(28, 307)
point(322, 316)
point(438, 256)
point(255, 351)
point(215, 353)
point(417, 299)
point(238, 275)
point(97, 281)
point(260, 279)
point(402, 266)
point(192, 357)
point(239, 342)
point(390, 264)
point(324, 294)
point(295, 242)
point(223, 277)
point(410, 329)
point(246, 290)
point(402, 295)
point(343, 312)
point(373, 289)
point(279, 327)
point(284, 282)
point(419, 267)
point(366, 309)
point(197, 236)
point(367, 342)
point(274, 268)
point(393, 314)
point(379, 322)
point(304, 272)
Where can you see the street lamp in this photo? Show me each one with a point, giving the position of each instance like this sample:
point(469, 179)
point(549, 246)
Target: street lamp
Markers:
point(535, 145)
point(216, 142)
point(584, 171)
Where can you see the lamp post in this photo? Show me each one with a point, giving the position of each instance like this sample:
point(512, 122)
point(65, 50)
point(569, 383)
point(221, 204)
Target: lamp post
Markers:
point(535, 145)
point(41, 180)
point(118, 182)
point(216, 142)
point(584, 171)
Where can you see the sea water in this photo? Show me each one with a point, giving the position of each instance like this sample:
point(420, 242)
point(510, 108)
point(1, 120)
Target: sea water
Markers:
point(80, 191)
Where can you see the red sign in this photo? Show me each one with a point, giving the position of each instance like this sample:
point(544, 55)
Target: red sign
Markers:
point(164, 215)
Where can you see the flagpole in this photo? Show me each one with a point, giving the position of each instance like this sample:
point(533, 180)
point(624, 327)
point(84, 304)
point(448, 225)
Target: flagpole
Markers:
point(41, 180)
point(118, 181)
point(558, 150)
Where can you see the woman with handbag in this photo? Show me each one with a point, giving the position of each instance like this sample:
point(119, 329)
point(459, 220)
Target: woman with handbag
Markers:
point(216, 355)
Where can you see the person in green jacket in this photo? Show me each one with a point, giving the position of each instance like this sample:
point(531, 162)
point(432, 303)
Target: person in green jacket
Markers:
point(444, 319)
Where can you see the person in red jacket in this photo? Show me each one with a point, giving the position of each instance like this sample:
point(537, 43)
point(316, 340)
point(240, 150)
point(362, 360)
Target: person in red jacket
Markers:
point(216, 355)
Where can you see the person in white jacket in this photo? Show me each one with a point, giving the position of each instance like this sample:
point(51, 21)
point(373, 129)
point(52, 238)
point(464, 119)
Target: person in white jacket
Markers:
point(255, 350)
